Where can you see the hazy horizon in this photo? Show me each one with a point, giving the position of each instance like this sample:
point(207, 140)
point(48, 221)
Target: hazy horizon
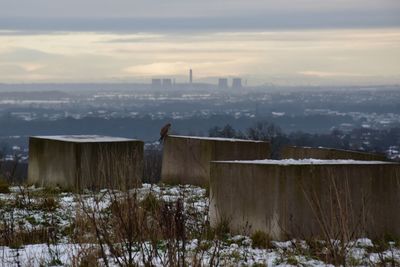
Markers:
point(303, 43)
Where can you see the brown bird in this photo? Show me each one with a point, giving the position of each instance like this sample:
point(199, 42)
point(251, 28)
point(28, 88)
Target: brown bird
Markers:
point(164, 132)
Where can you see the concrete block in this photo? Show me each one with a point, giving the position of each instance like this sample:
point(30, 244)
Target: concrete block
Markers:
point(85, 161)
point(295, 152)
point(307, 198)
point(186, 159)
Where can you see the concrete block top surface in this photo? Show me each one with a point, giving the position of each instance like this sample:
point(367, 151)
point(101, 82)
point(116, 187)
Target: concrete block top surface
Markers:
point(333, 149)
point(84, 138)
point(307, 162)
point(299, 152)
point(220, 139)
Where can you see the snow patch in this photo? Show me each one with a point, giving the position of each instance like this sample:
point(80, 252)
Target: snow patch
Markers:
point(84, 138)
point(216, 139)
point(306, 162)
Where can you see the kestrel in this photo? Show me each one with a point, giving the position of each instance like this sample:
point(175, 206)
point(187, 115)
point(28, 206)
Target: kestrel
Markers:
point(164, 132)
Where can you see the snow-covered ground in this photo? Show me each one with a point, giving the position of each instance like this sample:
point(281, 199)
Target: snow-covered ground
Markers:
point(29, 209)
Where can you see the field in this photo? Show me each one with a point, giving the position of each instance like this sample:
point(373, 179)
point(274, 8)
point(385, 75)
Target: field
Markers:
point(155, 225)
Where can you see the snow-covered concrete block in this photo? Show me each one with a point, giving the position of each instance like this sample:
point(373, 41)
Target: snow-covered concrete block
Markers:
point(85, 161)
point(307, 198)
point(186, 159)
point(296, 152)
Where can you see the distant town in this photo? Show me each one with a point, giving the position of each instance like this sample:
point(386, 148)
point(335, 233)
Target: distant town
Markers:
point(170, 83)
point(365, 114)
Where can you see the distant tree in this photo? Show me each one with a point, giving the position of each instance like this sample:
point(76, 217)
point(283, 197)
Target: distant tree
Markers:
point(227, 131)
point(264, 131)
point(1, 163)
point(214, 131)
point(369, 140)
point(337, 132)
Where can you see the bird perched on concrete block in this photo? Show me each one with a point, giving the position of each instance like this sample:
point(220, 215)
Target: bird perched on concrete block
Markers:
point(164, 132)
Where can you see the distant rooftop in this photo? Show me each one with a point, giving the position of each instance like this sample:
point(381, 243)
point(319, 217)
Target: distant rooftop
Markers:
point(307, 162)
point(216, 138)
point(84, 138)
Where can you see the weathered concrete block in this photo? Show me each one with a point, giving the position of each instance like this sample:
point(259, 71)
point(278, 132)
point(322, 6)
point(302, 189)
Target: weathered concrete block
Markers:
point(186, 159)
point(83, 161)
point(307, 198)
point(295, 152)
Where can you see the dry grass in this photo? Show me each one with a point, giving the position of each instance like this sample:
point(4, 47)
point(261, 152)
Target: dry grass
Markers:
point(4, 186)
point(339, 222)
point(261, 240)
point(146, 228)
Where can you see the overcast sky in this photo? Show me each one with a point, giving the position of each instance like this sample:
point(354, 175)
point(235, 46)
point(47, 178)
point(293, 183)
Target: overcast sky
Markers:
point(286, 41)
point(197, 14)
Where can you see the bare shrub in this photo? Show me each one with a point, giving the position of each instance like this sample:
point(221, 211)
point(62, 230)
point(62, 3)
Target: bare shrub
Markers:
point(4, 186)
point(8, 173)
point(132, 229)
point(19, 228)
point(340, 221)
point(87, 256)
point(261, 240)
point(10, 170)
point(48, 204)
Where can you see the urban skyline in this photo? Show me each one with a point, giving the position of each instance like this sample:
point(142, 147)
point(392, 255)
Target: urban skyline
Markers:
point(165, 82)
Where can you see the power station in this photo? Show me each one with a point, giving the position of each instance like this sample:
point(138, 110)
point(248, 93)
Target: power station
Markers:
point(169, 83)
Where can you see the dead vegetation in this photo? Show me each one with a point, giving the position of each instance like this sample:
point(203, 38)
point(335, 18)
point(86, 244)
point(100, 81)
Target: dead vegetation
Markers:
point(4, 186)
point(340, 217)
point(131, 227)
point(152, 228)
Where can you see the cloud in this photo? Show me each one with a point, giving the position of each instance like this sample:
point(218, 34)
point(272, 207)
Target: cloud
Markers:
point(301, 56)
point(191, 15)
point(11, 69)
point(137, 38)
point(178, 8)
point(158, 68)
point(323, 74)
point(18, 54)
point(21, 72)
point(203, 69)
